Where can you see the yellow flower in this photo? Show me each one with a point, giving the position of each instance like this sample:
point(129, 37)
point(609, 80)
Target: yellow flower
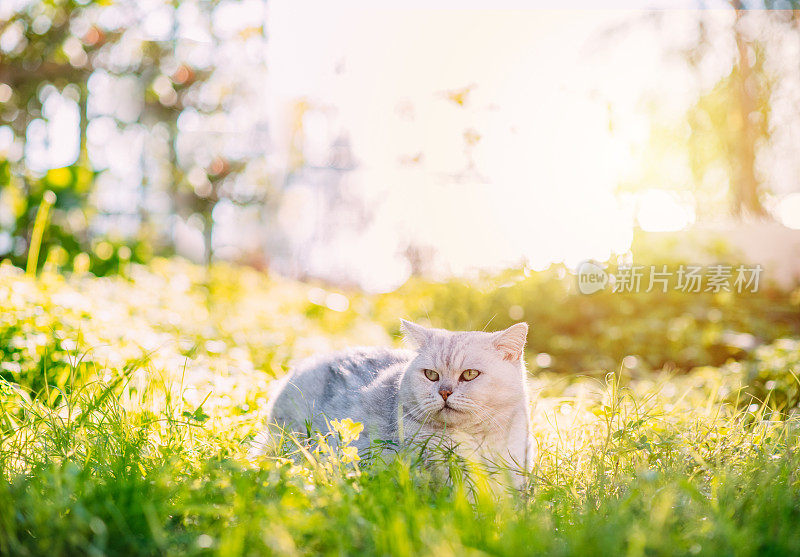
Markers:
point(347, 429)
point(350, 454)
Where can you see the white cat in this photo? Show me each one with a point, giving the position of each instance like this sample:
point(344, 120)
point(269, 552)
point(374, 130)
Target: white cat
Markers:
point(464, 388)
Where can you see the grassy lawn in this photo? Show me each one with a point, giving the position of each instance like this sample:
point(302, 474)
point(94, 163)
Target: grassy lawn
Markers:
point(127, 405)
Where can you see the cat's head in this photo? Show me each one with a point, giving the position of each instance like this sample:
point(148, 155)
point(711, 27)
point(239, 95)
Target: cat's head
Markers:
point(463, 377)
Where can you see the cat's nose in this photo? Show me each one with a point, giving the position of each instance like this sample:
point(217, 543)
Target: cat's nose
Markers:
point(445, 393)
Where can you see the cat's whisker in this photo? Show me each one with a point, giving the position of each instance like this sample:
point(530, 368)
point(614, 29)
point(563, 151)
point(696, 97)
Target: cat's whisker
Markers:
point(481, 415)
point(482, 412)
point(416, 411)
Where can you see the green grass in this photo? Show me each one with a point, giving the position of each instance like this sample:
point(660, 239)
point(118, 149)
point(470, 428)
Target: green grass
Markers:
point(124, 431)
point(89, 476)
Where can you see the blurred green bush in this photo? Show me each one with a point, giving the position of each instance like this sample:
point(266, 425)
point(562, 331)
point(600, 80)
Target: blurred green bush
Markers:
point(577, 332)
point(772, 374)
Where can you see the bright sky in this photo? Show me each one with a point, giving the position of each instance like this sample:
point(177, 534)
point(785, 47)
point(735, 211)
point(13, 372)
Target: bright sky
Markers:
point(544, 84)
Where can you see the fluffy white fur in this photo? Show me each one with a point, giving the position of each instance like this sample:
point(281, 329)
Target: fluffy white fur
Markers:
point(484, 419)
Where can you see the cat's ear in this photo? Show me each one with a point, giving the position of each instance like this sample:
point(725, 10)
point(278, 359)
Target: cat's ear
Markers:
point(415, 334)
point(511, 342)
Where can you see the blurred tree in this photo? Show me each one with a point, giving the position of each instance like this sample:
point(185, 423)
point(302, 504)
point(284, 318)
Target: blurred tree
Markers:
point(752, 100)
point(148, 82)
point(729, 123)
point(39, 56)
point(728, 133)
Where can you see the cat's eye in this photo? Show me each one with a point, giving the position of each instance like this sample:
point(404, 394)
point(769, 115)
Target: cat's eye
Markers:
point(470, 374)
point(430, 374)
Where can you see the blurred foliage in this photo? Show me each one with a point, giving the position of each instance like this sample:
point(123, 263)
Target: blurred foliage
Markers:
point(772, 374)
point(233, 320)
point(133, 78)
point(729, 124)
point(578, 333)
point(720, 154)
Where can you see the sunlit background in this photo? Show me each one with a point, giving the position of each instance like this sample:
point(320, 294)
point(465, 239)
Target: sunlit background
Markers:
point(197, 194)
point(361, 144)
